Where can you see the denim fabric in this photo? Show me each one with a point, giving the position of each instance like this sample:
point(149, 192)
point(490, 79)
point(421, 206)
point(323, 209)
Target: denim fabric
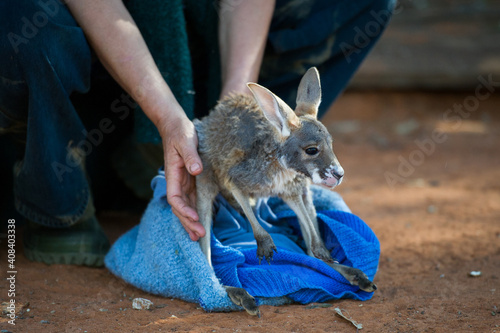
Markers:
point(45, 57)
point(334, 36)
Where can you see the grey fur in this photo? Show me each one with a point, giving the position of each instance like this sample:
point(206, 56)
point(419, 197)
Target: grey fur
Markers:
point(258, 147)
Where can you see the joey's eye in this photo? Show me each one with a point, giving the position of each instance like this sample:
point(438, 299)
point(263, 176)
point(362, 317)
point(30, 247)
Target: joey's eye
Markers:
point(312, 151)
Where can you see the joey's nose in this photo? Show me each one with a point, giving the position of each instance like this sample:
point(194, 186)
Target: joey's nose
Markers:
point(338, 171)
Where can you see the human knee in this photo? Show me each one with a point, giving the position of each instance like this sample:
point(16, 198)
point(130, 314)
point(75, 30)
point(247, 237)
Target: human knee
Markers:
point(43, 32)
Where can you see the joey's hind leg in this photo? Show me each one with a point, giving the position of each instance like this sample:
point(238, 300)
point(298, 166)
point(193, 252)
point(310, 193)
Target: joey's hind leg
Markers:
point(206, 191)
point(355, 276)
point(241, 297)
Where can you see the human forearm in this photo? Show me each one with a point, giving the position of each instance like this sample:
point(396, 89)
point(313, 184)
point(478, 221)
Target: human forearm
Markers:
point(118, 43)
point(243, 31)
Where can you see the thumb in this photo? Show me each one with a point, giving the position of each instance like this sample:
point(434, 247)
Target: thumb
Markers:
point(191, 159)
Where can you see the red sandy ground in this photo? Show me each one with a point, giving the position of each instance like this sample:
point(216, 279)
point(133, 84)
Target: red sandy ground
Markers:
point(437, 224)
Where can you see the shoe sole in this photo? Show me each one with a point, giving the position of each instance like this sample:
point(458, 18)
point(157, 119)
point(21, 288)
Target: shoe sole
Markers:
point(91, 260)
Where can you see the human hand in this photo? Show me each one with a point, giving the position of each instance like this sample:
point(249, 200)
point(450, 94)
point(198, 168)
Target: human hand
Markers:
point(182, 163)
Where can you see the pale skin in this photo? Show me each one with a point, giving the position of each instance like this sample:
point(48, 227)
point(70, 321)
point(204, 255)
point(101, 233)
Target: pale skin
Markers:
point(118, 43)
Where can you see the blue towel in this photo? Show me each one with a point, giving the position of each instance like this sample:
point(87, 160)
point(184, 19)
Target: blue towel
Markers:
point(158, 256)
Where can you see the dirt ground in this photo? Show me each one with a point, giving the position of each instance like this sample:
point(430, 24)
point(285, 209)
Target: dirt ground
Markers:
point(432, 197)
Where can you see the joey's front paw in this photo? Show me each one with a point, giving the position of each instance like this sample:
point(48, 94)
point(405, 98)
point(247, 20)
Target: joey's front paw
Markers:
point(265, 248)
point(319, 251)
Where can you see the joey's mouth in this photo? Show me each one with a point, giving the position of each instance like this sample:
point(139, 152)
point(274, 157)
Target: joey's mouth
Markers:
point(328, 182)
point(331, 182)
point(329, 179)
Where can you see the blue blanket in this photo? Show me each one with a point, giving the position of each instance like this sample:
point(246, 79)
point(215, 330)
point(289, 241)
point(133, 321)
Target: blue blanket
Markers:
point(158, 256)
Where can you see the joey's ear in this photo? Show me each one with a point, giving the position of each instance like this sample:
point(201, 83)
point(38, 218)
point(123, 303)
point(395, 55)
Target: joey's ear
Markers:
point(275, 110)
point(309, 94)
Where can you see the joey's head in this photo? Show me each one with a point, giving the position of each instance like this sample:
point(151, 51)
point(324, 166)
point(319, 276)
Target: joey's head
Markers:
point(309, 151)
point(306, 145)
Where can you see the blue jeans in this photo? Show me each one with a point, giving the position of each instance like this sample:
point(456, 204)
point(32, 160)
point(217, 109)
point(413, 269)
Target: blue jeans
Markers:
point(45, 57)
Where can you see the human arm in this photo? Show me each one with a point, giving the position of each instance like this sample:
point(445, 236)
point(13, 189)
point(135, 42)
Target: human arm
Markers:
point(118, 43)
point(243, 30)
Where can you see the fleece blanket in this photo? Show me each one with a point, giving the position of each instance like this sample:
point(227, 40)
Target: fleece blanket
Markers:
point(158, 256)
